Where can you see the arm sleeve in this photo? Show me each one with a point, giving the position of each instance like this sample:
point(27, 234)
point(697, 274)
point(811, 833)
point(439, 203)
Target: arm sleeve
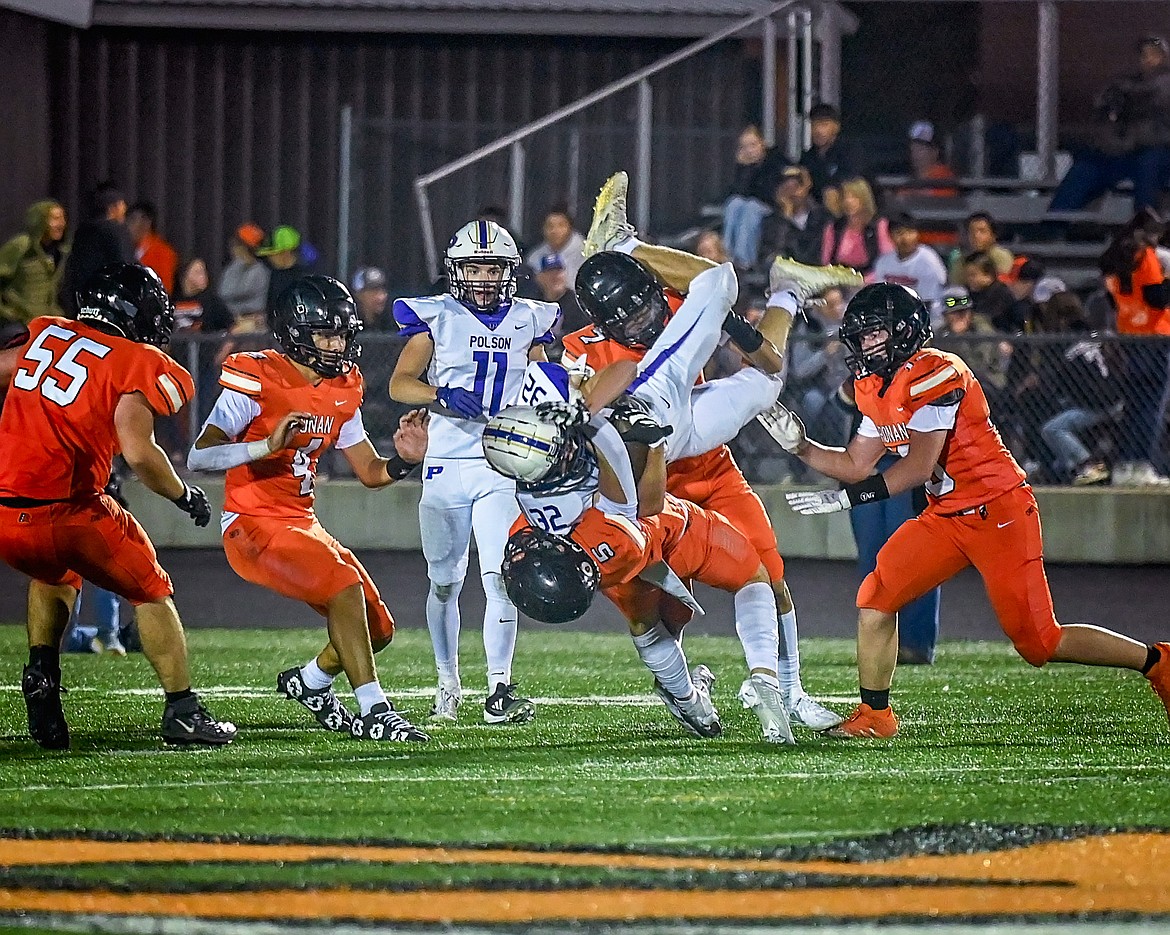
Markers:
point(232, 413)
point(352, 433)
point(934, 418)
point(610, 446)
point(408, 321)
point(867, 428)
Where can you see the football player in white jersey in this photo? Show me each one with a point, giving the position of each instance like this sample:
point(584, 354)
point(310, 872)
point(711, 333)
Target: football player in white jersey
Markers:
point(466, 352)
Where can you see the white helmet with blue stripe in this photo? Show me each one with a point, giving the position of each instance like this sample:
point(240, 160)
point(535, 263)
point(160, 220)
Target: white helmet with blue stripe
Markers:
point(481, 262)
point(519, 444)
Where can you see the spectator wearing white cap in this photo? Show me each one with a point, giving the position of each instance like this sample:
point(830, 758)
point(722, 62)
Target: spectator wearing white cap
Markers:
point(371, 296)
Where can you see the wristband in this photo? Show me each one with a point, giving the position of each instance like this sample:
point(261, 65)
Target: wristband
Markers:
point(742, 333)
point(397, 468)
point(869, 490)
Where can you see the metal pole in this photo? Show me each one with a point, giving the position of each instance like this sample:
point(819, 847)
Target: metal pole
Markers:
point(574, 168)
point(344, 176)
point(516, 188)
point(806, 37)
point(793, 115)
point(1047, 85)
point(427, 224)
point(193, 405)
point(645, 143)
point(768, 105)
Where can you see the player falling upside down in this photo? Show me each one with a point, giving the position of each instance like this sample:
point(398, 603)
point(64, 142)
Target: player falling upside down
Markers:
point(622, 289)
point(634, 541)
point(927, 406)
point(277, 413)
point(80, 391)
point(474, 344)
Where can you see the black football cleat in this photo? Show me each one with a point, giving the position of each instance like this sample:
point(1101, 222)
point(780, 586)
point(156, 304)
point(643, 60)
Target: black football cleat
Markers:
point(382, 722)
point(322, 703)
point(504, 706)
point(187, 722)
point(46, 719)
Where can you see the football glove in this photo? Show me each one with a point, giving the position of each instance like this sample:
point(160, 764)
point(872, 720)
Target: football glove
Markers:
point(813, 502)
point(194, 504)
point(564, 415)
point(642, 428)
point(459, 401)
point(784, 426)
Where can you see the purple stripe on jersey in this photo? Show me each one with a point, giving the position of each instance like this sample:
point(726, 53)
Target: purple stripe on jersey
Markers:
point(408, 321)
point(661, 359)
point(557, 375)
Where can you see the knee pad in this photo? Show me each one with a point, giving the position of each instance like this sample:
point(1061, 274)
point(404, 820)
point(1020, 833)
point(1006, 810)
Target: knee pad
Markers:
point(445, 593)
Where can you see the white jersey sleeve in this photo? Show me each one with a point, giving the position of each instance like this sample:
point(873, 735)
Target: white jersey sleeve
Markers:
point(352, 433)
point(232, 413)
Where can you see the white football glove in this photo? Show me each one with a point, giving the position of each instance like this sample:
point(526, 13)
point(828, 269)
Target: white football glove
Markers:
point(784, 426)
point(813, 502)
point(563, 414)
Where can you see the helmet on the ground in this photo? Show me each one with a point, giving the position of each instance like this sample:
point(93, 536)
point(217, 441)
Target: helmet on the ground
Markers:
point(128, 300)
point(482, 244)
point(317, 305)
point(883, 307)
point(622, 298)
point(539, 455)
point(551, 578)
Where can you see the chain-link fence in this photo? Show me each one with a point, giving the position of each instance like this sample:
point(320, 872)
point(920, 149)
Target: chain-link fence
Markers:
point(1073, 409)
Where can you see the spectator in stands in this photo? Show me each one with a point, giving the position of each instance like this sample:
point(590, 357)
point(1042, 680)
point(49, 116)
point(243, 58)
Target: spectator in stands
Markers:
point(200, 311)
point(150, 248)
point(1141, 293)
point(381, 345)
point(244, 283)
point(858, 237)
point(1083, 389)
point(910, 263)
point(372, 299)
point(1021, 282)
point(553, 280)
point(561, 238)
point(926, 163)
point(993, 299)
point(280, 253)
point(981, 238)
point(830, 160)
point(32, 264)
point(757, 171)
point(710, 247)
point(100, 239)
point(796, 227)
point(972, 337)
point(1130, 139)
point(817, 368)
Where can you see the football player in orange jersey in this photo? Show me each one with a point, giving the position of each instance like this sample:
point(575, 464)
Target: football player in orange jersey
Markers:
point(927, 406)
point(80, 391)
point(277, 413)
point(622, 291)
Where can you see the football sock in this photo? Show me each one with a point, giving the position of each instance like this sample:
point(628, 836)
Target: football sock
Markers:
point(499, 631)
point(314, 677)
point(172, 697)
point(755, 622)
point(443, 624)
point(788, 670)
point(1152, 657)
point(45, 658)
point(878, 700)
point(369, 695)
point(664, 657)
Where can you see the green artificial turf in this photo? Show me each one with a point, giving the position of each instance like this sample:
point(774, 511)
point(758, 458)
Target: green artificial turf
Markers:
point(985, 738)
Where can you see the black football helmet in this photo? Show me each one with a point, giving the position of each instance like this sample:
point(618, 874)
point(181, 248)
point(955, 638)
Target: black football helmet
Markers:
point(891, 308)
point(128, 300)
point(550, 578)
point(317, 305)
point(622, 298)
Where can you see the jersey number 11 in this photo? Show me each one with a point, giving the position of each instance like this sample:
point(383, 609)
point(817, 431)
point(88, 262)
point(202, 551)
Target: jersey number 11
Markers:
point(482, 363)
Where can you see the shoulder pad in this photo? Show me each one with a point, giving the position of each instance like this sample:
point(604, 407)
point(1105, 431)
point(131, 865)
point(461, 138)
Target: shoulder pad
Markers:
point(934, 374)
point(245, 372)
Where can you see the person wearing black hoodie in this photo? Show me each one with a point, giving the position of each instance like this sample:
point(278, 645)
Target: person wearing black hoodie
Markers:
point(100, 239)
point(757, 173)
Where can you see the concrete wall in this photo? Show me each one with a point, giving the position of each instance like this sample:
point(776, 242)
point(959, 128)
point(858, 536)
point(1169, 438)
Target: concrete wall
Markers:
point(1100, 526)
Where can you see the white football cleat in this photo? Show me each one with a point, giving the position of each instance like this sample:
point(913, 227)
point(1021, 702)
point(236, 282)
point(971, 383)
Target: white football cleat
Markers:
point(609, 226)
point(768, 704)
point(445, 709)
point(697, 715)
point(810, 713)
point(807, 281)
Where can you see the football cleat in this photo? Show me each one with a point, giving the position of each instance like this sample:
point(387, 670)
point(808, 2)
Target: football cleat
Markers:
point(807, 281)
point(504, 706)
point(865, 722)
point(382, 722)
point(698, 715)
point(609, 226)
point(46, 719)
point(322, 703)
point(1159, 676)
point(766, 701)
point(187, 722)
point(445, 709)
point(808, 712)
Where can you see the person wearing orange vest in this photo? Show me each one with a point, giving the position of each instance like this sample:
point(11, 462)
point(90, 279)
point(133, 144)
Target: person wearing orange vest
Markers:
point(1141, 293)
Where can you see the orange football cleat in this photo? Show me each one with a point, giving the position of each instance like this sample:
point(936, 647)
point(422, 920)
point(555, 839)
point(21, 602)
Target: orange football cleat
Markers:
point(1159, 676)
point(866, 722)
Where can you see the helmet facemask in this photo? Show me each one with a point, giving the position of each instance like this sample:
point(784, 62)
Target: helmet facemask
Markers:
point(317, 306)
point(326, 362)
point(483, 285)
point(641, 325)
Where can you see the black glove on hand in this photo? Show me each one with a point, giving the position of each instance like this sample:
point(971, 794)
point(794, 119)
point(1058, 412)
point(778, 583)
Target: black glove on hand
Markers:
point(194, 504)
point(642, 428)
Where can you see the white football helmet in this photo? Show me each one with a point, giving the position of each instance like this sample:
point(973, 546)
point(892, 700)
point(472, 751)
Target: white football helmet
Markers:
point(481, 263)
point(536, 453)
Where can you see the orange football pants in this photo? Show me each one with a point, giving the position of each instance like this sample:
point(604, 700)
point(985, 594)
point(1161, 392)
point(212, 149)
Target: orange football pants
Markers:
point(715, 482)
point(95, 539)
point(300, 559)
point(1002, 540)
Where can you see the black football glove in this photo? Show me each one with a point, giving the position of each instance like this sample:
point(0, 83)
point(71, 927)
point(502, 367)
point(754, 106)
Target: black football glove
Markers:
point(194, 504)
point(642, 428)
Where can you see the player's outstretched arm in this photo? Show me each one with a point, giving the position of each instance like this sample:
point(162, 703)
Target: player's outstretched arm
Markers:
point(215, 451)
point(410, 441)
point(608, 384)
